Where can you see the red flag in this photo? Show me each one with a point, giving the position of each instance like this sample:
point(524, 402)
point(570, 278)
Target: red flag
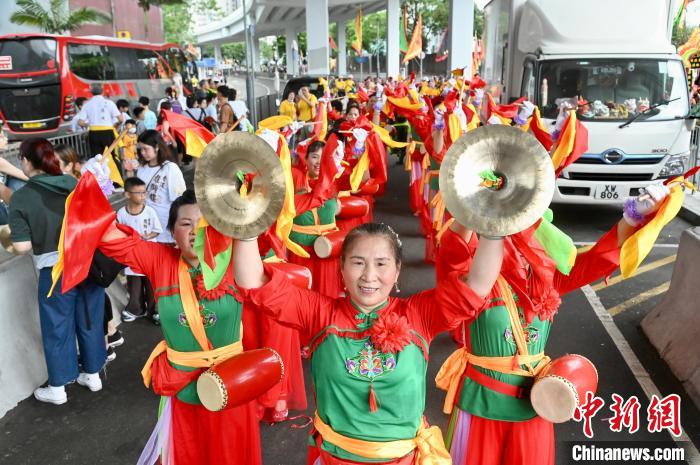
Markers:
point(88, 216)
point(331, 43)
point(362, 94)
point(179, 125)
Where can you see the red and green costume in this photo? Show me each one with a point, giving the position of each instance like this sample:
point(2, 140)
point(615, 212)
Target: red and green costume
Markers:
point(198, 435)
point(493, 421)
point(368, 370)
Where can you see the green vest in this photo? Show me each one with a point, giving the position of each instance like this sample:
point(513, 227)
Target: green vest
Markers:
point(326, 215)
point(343, 369)
point(491, 335)
point(222, 324)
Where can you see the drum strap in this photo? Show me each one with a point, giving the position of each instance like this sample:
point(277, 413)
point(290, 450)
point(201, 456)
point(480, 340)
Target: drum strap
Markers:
point(428, 444)
point(520, 392)
point(316, 229)
point(453, 370)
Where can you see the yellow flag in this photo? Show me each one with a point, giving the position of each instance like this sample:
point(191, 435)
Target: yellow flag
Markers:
point(638, 245)
point(286, 216)
point(357, 43)
point(275, 122)
point(416, 44)
point(386, 138)
point(195, 144)
point(114, 173)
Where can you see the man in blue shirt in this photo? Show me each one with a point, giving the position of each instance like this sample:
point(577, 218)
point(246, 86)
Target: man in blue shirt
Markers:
point(150, 121)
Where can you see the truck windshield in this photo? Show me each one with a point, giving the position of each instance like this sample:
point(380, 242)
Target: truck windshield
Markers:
point(614, 89)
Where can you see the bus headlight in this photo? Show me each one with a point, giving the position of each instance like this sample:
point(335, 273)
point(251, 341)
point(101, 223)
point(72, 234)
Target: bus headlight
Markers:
point(675, 165)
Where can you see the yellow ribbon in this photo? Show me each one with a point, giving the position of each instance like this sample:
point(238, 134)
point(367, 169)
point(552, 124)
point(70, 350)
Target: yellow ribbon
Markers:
point(566, 142)
point(428, 443)
point(639, 244)
point(386, 138)
point(359, 170)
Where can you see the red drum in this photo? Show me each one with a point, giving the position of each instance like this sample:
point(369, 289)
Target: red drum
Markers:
point(330, 245)
point(352, 207)
point(562, 386)
point(240, 379)
point(299, 275)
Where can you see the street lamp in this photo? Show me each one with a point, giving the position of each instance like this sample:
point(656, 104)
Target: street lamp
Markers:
point(250, 71)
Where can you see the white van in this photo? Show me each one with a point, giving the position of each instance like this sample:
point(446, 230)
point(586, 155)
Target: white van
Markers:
point(617, 55)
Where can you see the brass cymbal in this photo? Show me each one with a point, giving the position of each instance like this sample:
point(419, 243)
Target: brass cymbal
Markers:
point(5, 239)
point(518, 159)
point(217, 185)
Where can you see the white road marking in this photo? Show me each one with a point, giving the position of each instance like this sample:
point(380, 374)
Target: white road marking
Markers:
point(692, 456)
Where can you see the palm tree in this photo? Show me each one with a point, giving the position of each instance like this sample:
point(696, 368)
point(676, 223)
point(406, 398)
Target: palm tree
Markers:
point(58, 19)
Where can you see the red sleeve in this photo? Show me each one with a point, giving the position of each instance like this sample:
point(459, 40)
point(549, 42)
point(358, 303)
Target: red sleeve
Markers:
point(596, 263)
point(302, 309)
point(445, 307)
point(454, 254)
point(139, 255)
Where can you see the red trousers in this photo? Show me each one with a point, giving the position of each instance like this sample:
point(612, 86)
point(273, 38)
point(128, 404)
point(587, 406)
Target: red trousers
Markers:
point(228, 437)
point(494, 442)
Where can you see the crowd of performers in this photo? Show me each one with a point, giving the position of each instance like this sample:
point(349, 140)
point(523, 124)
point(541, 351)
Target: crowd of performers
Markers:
point(368, 349)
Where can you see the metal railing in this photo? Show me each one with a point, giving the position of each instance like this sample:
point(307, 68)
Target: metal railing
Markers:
point(78, 141)
point(265, 106)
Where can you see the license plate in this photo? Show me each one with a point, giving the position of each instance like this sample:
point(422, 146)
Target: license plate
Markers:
point(608, 192)
point(32, 125)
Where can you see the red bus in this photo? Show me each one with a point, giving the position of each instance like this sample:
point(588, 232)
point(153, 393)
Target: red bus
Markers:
point(41, 75)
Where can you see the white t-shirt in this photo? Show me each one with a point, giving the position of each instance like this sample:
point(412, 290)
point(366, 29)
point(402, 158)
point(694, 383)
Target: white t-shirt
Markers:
point(164, 184)
point(144, 223)
point(99, 111)
point(239, 108)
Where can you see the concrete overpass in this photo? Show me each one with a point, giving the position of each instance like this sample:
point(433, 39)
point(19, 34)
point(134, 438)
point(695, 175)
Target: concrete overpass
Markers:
point(290, 17)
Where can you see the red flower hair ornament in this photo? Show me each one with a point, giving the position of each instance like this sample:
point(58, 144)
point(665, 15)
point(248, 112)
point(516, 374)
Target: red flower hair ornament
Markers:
point(390, 333)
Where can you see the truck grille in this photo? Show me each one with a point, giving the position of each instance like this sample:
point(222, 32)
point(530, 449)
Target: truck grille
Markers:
point(611, 176)
point(652, 160)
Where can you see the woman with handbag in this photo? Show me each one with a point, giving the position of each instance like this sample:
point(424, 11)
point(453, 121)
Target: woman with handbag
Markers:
point(36, 215)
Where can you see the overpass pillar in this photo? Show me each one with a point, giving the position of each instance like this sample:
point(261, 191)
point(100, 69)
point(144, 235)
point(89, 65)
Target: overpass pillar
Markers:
point(291, 49)
point(342, 49)
point(393, 54)
point(461, 33)
point(255, 45)
point(217, 55)
point(317, 36)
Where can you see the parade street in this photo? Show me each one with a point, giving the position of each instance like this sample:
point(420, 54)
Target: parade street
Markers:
point(115, 423)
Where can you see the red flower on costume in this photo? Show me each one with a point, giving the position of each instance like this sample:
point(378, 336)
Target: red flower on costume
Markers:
point(548, 304)
point(225, 287)
point(390, 333)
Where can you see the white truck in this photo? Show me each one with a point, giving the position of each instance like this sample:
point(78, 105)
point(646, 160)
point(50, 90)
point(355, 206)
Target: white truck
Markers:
point(616, 55)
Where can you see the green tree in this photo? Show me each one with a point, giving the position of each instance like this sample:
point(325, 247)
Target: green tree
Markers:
point(58, 19)
point(234, 51)
point(177, 17)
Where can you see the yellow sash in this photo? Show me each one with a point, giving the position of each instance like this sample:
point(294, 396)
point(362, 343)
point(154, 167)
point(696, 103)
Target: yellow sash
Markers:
point(451, 372)
point(196, 359)
point(102, 128)
point(428, 442)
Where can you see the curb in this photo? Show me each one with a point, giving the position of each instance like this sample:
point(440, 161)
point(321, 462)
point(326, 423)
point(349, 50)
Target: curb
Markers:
point(690, 215)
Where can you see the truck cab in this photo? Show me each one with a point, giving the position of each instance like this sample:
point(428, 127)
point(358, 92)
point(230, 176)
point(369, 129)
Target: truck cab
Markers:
point(615, 63)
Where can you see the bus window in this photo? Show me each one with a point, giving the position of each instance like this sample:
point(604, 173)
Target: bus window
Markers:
point(125, 63)
point(91, 62)
point(148, 64)
point(176, 60)
point(25, 55)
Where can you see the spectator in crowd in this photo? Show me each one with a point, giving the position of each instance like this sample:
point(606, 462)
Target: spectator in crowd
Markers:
point(74, 126)
point(64, 317)
point(203, 90)
point(69, 162)
point(123, 107)
point(194, 108)
point(163, 178)
point(140, 118)
point(144, 220)
point(210, 110)
point(171, 98)
point(128, 151)
point(288, 107)
point(99, 115)
point(150, 119)
point(227, 118)
point(306, 105)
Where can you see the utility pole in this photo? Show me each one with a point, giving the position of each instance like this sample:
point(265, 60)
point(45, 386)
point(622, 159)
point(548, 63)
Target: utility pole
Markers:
point(250, 71)
point(378, 46)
